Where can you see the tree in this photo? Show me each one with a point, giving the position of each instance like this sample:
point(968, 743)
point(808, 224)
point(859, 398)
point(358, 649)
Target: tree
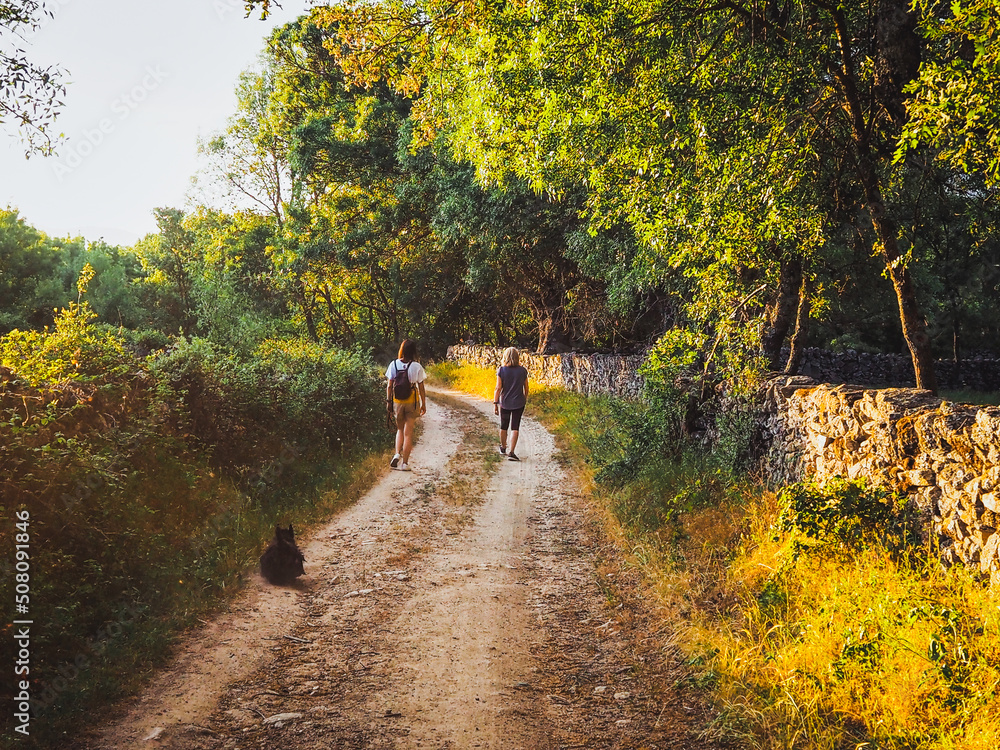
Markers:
point(170, 260)
point(30, 95)
point(249, 161)
point(26, 258)
point(389, 235)
point(730, 136)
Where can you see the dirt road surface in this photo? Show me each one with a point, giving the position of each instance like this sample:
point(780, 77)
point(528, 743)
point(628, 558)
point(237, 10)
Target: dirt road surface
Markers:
point(469, 603)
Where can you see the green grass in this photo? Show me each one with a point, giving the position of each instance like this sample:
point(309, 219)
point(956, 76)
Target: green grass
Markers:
point(976, 398)
point(837, 641)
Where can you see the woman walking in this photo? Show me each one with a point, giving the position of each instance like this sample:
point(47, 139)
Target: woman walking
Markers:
point(509, 398)
point(405, 397)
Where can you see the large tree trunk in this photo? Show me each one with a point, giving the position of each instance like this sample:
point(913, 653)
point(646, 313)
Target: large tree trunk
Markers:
point(898, 59)
point(552, 337)
point(913, 323)
point(781, 311)
point(912, 320)
point(798, 342)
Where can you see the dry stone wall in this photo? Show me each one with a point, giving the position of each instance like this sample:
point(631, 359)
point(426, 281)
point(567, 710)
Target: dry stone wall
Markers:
point(944, 456)
point(896, 370)
point(590, 374)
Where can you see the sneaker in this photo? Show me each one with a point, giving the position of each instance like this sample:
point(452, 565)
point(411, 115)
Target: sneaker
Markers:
point(502, 449)
point(395, 461)
point(512, 457)
point(404, 467)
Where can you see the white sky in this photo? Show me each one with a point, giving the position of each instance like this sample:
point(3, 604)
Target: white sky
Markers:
point(147, 78)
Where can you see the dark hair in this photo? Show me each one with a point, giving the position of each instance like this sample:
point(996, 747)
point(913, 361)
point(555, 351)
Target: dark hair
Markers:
point(408, 350)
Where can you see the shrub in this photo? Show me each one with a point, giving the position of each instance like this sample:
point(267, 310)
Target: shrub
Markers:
point(150, 483)
point(142, 342)
point(74, 350)
point(291, 388)
point(846, 516)
point(325, 393)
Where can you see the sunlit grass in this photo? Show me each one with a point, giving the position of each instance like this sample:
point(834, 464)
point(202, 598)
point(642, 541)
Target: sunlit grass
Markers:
point(828, 650)
point(474, 380)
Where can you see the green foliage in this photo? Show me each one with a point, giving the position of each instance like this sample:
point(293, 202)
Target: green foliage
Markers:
point(385, 235)
point(39, 274)
point(151, 483)
point(75, 350)
point(717, 137)
point(141, 341)
point(846, 516)
point(324, 392)
point(27, 262)
point(237, 408)
point(953, 107)
point(671, 379)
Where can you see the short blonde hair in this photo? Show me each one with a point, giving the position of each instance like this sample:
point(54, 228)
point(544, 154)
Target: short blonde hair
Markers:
point(510, 357)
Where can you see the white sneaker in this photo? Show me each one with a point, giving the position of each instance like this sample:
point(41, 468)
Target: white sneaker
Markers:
point(404, 467)
point(395, 461)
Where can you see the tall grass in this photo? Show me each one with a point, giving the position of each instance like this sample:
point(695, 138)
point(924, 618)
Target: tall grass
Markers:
point(474, 380)
point(814, 617)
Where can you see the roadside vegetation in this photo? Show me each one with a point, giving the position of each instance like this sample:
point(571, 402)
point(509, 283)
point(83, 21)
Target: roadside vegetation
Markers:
point(979, 398)
point(815, 618)
point(153, 482)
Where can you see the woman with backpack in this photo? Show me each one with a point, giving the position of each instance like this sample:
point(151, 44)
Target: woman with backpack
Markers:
point(405, 397)
point(509, 398)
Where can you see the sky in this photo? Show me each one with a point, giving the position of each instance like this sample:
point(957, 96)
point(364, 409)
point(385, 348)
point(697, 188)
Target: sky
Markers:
point(146, 80)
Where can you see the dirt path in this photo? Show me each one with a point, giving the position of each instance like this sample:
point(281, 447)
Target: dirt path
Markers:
point(466, 604)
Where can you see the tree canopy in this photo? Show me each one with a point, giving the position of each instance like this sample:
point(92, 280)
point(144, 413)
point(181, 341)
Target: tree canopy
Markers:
point(743, 178)
point(744, 144)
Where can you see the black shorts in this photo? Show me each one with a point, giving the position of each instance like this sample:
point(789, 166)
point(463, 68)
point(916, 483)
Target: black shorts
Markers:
point(511, 417)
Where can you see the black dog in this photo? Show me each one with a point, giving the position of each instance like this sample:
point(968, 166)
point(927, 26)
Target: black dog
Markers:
point(282, 561)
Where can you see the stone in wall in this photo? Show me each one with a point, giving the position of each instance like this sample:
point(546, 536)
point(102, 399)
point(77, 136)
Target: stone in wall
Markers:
point(943, 455)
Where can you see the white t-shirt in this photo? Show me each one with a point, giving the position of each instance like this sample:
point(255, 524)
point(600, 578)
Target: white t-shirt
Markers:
point(414, 371)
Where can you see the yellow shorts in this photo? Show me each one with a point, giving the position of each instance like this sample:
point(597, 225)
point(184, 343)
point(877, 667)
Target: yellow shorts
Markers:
point(405, 409)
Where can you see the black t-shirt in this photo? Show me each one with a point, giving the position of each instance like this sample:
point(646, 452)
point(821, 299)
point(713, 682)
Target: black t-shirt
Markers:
point(512, 380)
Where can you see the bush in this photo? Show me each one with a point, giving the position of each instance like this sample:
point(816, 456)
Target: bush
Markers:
point(75, 350)
point(846, 516)
point(151, 483)
point(324, 392)
point(142, 342)
point(291, 388)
